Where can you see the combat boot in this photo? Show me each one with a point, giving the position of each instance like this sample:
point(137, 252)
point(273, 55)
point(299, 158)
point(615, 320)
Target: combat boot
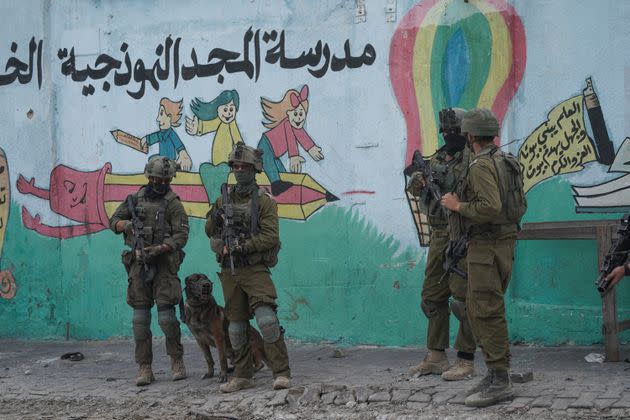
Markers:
point(236, 384)
point(145, 375)
point(281, 382)
point(462, 369)
point(500, 389)
point(483, 384)
point(435, 362)
point(177, 368)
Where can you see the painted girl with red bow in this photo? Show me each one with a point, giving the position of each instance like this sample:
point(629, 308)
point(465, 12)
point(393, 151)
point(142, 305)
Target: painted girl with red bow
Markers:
point(285, 121)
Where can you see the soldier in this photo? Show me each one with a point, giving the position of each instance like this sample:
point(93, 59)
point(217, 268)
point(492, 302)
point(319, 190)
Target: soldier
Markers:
point(447, 165)
point(252, 217)
point(491, 230)
point(617, 274)
point(154, 218)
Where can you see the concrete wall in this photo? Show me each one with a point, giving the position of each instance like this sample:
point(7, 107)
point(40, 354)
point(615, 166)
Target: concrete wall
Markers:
point(83, 81)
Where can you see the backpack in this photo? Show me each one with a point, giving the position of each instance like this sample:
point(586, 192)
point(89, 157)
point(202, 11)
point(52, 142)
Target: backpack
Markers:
point(510, 175)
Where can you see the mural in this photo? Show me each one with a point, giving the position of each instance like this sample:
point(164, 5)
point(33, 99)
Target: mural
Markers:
point(286, 122)
point(218, 115)
point(316, 96)
point(318, 61)
point(7, 282)
point(439, 59)
point(90, 198)
point(561, 144)
point(170, 145)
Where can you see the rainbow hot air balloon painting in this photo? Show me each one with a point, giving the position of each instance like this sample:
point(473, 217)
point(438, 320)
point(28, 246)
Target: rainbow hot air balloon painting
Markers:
point(450, 53)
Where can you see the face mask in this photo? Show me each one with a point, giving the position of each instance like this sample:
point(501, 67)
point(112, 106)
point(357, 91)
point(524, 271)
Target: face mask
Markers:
point(454, 143)
point(244, 177)
point(159, 189)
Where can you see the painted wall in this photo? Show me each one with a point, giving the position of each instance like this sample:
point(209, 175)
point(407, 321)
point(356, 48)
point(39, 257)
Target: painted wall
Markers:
point(343, 93)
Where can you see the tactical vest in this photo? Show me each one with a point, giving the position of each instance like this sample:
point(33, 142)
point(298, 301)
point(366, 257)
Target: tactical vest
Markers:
point(446, 175)
point(245, 217)
point(152, 213)
point(513, 201)
point(510, 176)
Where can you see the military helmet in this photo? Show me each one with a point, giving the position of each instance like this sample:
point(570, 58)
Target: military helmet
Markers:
point(160, 167)
point(451, 119)
point(245, 154)
point(480, 122)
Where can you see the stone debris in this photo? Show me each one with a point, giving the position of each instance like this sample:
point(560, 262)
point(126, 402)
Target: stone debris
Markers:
point(104, 387)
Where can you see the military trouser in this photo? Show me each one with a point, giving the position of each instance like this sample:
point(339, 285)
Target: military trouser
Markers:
point(489, 269)
point(165, 291)
point(436, 291)
point(250, 291)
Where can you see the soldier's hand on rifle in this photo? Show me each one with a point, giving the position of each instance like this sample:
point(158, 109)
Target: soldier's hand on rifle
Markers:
point(238, 248)
point(125, 226)
point(218, 219)
point(417, 179)
point(416, 183)
point(450, 201)
point(616, 275)
point(155, 250)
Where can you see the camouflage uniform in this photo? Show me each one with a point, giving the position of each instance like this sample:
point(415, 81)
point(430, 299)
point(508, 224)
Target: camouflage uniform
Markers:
point(438, 288)
point(249, 291)
point(164, 287)
point(489, 206)
point(251, 286)
point(490, 257)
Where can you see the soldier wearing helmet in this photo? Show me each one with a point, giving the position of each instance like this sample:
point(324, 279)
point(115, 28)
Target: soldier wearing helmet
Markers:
point(155, 226)
point(447, 165)
point(491, 240)
point(243, 231)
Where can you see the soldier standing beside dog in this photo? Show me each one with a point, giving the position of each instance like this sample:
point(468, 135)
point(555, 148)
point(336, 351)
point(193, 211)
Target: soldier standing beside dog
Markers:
point(491, 203)
point(447, 165)
point(160, 216)
point(248, 288)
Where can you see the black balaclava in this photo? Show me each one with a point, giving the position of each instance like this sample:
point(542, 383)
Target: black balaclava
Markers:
point(455, 142)
point(245, 182)
point(158, 190)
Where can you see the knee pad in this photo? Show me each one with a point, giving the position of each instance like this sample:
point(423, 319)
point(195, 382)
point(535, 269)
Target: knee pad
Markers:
point(141, 324)
point(237, 330)
point(430, 309)
point(167, 320)
point(458, 307)
point(268, 323)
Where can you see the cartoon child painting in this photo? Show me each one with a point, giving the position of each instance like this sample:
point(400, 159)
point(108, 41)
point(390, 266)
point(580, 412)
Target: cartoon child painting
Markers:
point(285, 121)
point(217, 115)
point(171, 146)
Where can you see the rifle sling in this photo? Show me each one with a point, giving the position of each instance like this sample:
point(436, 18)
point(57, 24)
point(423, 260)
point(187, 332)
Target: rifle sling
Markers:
point(158, 237)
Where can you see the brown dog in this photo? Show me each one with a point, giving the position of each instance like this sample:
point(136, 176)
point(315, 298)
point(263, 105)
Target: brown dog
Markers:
point(209, 326)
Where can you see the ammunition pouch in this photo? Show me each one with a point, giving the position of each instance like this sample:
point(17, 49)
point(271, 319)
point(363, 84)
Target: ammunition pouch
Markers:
point(175, 260)
point(269, 257)
point(127, 260)
point(217, 244)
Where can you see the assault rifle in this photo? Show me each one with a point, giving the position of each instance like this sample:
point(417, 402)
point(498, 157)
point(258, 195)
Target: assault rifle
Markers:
point(137, 247)
point(616, 256)
point(228, 233)
point(455, 251)
point(418, 164)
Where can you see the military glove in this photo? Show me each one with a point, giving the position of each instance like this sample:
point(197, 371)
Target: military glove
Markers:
point(218, 218)
point(155, 250)
point(128, 227)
